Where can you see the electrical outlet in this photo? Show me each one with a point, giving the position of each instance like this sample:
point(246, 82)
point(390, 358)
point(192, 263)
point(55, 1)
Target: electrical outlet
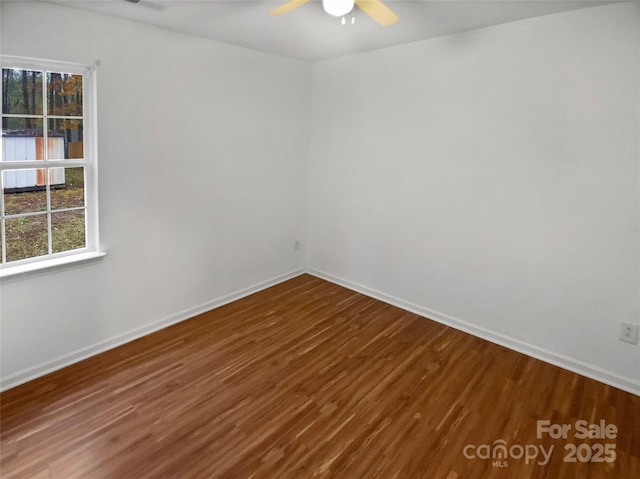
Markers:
point(296, 245)
point(629, 333)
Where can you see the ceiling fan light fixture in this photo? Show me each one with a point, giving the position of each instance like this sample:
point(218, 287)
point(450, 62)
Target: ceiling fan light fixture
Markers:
point(337, 8)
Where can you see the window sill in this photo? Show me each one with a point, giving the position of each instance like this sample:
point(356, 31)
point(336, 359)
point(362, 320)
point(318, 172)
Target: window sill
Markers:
point(50, 264)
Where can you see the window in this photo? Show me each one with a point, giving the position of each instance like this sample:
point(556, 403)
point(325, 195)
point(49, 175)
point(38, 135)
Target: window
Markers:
point(48, 169)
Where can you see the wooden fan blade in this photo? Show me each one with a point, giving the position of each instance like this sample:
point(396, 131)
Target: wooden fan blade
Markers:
point(378, 11)
point(287, 7)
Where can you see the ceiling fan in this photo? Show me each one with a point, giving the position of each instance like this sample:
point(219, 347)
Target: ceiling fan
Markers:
point(338, 8)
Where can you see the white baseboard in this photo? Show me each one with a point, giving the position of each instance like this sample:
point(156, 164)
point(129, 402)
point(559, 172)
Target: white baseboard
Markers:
point(50, 366)
point(580, 367)
point(575, 365)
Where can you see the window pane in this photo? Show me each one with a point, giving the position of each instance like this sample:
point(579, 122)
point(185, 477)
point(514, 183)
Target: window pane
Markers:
point(26, 237)
point(67, 187)
point(67, 230)
point(21, 92)
point(22, 139)
point(64, 94)
point(24, 191)
point(65, 139)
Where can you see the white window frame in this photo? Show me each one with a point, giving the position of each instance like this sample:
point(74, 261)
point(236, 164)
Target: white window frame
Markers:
point(89, 163)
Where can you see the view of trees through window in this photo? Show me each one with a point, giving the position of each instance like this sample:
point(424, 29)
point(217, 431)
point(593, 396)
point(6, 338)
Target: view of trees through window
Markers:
point(43, 205)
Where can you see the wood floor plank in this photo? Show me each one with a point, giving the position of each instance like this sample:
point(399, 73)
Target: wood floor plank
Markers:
point(307, 380)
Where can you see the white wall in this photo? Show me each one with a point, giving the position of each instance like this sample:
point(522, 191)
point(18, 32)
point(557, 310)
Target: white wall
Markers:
point(203, 150)
point(490, 180)
point(487, 179)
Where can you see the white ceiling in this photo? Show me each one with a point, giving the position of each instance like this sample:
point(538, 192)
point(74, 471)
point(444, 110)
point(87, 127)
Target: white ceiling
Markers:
point(308, 33)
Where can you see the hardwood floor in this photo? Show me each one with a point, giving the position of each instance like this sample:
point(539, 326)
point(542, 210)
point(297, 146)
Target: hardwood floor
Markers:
point(303, 380)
